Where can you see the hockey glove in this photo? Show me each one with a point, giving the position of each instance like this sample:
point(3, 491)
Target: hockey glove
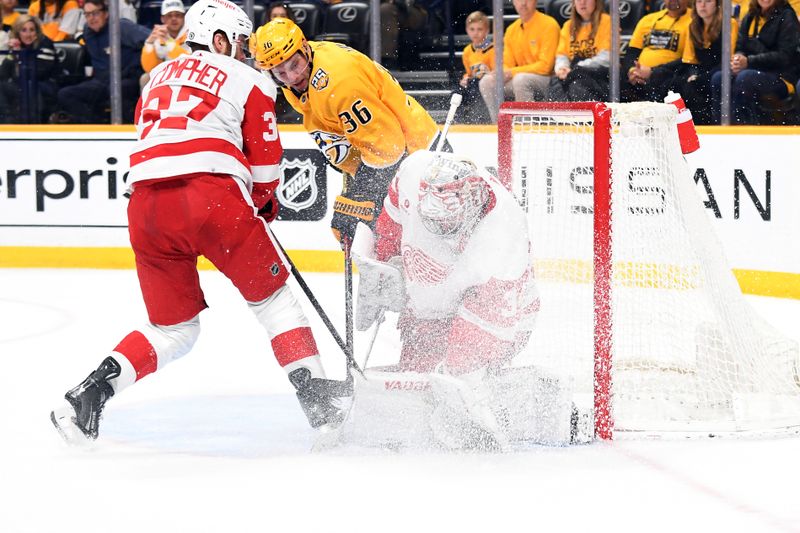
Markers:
point(362, 199)
point(264, 199)
point(270, 210)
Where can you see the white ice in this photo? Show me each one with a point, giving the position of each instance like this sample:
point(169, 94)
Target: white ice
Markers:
point(215, 442)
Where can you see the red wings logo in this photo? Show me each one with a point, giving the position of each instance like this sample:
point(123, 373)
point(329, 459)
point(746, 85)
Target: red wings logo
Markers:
point(420, 267)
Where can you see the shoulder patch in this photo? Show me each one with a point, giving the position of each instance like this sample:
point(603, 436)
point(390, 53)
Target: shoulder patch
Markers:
point(320, 79)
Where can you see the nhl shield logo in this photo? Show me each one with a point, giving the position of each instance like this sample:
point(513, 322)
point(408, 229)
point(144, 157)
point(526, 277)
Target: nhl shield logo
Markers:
point(298, 188)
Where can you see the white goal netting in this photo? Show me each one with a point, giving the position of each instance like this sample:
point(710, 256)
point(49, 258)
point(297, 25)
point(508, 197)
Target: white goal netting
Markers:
point(688, 353)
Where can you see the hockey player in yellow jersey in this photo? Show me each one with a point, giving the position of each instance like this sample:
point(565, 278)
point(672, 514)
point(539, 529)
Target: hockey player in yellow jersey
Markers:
point(353, 108)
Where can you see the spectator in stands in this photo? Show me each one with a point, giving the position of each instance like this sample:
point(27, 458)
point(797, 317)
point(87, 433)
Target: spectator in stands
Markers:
point(88, 101)
point(766, 62)
point(28, 47)
point(528, 58)
point(740, 8)
point(583, 57)
point(60, 18)
point(167, 39)
point(279, 9)
point(10, 15)
point(478, 59)
point(398, 17)
point(702, 57)
point(654, 53)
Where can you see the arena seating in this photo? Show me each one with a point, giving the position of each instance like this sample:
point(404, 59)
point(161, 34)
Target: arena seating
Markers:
point(308, 16)
point(347, 23)
point(71, 56)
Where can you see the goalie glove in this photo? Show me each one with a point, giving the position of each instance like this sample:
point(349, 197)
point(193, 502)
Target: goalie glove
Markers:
point(361, 199)
point(380, 287)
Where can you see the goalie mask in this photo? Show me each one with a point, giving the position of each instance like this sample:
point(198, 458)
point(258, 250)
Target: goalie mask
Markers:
point(452, 195)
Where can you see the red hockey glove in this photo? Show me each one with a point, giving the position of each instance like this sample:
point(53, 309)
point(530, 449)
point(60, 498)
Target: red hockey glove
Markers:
point(264, 199)
point(270, 210)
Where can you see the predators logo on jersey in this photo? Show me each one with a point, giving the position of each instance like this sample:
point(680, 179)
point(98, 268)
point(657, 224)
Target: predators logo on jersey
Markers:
point(320, 79)
point(335, 147)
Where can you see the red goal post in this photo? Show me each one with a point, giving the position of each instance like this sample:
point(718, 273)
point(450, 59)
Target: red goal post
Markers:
point(635, 283)
point(601, 116)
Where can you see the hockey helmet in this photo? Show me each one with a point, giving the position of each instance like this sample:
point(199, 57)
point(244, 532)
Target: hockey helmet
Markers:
point(207, 17)
point(452, 195)
point(275, 42)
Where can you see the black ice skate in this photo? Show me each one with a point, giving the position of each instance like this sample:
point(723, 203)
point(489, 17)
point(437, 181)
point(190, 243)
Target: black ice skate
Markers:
point(319, 398)
point(79, 418)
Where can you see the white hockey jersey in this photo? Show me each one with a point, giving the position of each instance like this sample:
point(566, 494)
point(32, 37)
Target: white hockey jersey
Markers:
point(484, 277)
point(207, 113)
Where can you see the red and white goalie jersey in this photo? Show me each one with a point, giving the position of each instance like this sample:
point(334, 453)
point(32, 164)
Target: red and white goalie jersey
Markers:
point(208, 113)
point(472, 289)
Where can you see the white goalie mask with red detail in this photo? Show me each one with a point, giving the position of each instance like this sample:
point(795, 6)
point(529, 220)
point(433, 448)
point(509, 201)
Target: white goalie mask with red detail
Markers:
point(452, 195)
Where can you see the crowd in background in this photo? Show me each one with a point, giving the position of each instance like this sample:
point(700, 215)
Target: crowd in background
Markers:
point(675, 46)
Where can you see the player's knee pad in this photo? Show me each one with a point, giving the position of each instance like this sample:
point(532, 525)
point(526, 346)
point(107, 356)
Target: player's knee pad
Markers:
point(280, 312)
point(172, 342)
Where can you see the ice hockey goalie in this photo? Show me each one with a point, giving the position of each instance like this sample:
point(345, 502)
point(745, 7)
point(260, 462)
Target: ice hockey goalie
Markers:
point(452, 256)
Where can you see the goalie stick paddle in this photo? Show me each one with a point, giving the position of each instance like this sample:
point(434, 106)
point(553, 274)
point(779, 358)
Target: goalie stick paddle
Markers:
point(346, 348)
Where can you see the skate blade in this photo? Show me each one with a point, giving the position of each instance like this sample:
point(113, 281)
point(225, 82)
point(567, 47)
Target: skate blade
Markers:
point(63, 418)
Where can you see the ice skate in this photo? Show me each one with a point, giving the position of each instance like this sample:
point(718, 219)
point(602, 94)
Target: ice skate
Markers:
point(78, 419)
point(464, 418)
point(320, 398)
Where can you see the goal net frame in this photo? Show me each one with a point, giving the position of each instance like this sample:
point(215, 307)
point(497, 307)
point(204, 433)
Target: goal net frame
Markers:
point(602, 119)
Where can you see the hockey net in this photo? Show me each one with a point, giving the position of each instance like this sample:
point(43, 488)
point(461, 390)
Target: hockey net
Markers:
point(639, 308)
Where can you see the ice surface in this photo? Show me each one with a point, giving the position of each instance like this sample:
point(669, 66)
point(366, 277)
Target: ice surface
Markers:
point(216, 443)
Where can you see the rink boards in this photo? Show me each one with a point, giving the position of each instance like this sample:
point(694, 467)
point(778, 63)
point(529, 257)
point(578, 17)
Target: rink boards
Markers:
point(63, 204)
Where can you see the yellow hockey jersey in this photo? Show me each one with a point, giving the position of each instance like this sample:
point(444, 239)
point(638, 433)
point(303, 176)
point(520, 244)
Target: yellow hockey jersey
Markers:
point(531, 47)
point(661, 37)
point(584, 47)
point(357, 112)
point(478, 61)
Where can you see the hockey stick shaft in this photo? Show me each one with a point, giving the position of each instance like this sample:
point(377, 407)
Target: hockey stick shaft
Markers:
point(378, 322)
point(346, 349)
point(347, 244)
point(455, 101)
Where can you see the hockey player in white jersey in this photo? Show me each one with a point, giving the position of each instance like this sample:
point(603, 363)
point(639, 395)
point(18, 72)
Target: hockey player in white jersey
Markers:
point(452, 253)
point(203, 176)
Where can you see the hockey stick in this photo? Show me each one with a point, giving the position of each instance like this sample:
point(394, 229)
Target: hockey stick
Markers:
point(455, 101)
point(378, 322)
point(347, 244)
point(346, 348)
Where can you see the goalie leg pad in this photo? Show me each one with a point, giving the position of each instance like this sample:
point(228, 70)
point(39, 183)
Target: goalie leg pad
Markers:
point(465, 417)
point(541, 408)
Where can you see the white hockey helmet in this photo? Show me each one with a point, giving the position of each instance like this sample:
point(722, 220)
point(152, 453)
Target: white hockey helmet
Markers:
point(452, 194)
point(207, 17)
